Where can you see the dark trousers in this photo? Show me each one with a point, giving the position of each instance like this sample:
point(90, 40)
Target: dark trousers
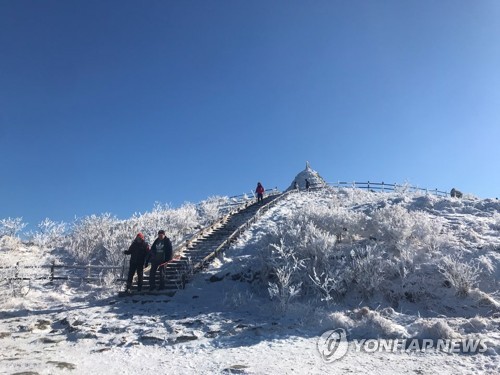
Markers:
point(260, 197)
point(152, 275)
point(135, 267)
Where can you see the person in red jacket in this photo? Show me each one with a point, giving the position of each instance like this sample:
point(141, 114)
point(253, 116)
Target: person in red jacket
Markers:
point(260, 192)
point(138, 252)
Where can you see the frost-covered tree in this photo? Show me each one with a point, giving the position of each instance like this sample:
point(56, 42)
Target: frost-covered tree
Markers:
point(11, 226)
point(49, 234)
point(88, 235)
point(213, 208)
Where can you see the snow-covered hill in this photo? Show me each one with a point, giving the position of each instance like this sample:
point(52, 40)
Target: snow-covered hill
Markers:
point(377, 265)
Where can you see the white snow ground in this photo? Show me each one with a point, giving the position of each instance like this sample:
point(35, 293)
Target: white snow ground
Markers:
point(231, 326)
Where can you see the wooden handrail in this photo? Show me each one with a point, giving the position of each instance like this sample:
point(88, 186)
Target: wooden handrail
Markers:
point(180, 249)
point(383, 186)
point(51, 273)
point(241, 229)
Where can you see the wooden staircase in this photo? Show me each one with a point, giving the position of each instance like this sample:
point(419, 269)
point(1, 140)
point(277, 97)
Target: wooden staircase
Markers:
point(204, 246)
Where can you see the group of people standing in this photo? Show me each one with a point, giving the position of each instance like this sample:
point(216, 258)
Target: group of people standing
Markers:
point(141, 254)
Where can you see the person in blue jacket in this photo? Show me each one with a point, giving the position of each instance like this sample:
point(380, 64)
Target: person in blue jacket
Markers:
point(161, 252)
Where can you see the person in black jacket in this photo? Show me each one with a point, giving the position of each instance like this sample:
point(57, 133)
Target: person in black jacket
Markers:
point(308, 184)
point(138, 251)
point(161, 252)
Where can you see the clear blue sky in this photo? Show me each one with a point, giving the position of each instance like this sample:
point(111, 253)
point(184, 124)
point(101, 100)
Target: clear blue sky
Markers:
point(109, 106)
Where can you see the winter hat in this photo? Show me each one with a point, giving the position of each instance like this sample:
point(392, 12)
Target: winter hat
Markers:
point(161, 231)
point(140, 235)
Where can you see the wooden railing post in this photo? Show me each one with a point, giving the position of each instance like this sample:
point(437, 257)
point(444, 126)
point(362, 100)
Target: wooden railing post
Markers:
point(122, 275)
point(52, 270)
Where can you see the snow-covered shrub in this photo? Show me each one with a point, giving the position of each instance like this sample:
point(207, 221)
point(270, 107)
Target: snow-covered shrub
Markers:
point(341, 320)
point(459, 274)
point(283, 273)
point(404, 189)
point(495, 222)
point(107, 279)
point(371, 324)
point(477, 324)
point(237, 298)
point(428, 232)
point(9, 243)
point(487, 264)
point(345, 224)
point(415, 235)
point(331, 283)
point(417, 285)
point(298, 244)
point(305, 255)
point(315, 244)
point(16, 281)
point(393, 224)
point(283, 289)
point(485, 300)
point(368, 268)
point(432, 329)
